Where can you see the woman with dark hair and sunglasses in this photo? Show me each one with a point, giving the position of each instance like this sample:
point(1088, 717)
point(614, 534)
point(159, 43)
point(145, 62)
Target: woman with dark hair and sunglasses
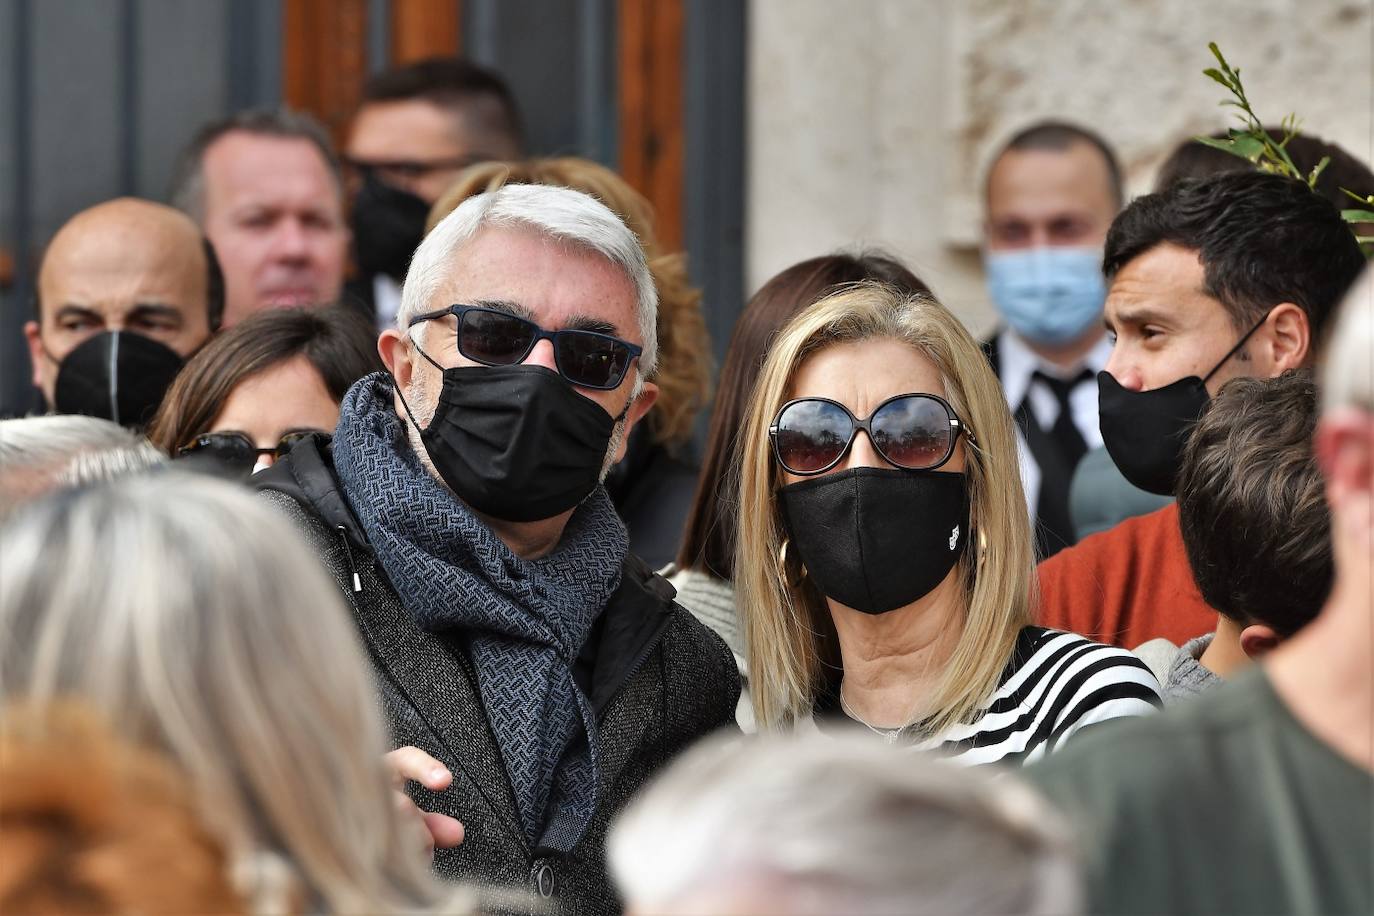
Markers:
point(883, 561)
point(260, 386)
point(704, 569)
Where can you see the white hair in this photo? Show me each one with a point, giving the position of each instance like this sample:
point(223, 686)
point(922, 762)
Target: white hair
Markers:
point(562, 214)
point(1348, 367)
point(840, 824)
point(56, 439)
point(40, 454)
point(193, 617)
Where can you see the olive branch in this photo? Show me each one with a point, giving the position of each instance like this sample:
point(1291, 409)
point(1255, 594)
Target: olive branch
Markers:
point(1253, 143)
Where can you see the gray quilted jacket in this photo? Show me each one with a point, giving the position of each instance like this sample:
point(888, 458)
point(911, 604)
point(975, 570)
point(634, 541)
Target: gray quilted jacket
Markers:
point(657, 678)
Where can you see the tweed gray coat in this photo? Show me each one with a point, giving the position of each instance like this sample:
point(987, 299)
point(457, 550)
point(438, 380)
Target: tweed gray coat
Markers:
point(656, 677)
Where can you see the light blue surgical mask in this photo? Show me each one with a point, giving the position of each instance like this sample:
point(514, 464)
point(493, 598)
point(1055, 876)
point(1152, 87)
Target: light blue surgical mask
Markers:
point(1047, 295)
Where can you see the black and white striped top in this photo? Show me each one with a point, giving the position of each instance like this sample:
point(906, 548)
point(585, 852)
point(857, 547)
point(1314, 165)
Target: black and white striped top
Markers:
point(1054, 685)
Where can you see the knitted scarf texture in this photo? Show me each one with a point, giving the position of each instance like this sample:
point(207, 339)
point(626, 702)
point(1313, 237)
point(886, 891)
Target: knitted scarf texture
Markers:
point(524, 621)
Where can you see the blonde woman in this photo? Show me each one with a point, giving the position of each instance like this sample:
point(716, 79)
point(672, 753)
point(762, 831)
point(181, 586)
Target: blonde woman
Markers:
point(652, 486)
point(883, 563)
point(188, 617)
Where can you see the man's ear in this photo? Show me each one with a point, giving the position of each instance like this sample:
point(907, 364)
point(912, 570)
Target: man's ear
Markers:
point(1288, 345)
point(32, 334)
point(395, 350)
point(398, 353)
point(1344, 447)
point(647, 395)
point(1258, 640)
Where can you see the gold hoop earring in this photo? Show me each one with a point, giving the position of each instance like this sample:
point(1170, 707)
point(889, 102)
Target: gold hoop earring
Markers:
point(982, 547)
point(785, 567)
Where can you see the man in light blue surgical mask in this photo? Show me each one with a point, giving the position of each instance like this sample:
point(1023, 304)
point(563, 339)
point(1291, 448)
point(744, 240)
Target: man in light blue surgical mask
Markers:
point(1052, 192)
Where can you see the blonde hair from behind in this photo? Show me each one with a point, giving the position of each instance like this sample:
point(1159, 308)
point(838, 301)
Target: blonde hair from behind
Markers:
point(683, 375)
point(790, 636)
point(195, 619)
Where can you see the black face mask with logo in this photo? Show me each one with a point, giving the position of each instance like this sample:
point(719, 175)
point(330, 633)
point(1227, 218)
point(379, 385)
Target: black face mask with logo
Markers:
point(1145, 431)
point(115, 375)
point(877, 539)
point(388, 225)
point(517, 443)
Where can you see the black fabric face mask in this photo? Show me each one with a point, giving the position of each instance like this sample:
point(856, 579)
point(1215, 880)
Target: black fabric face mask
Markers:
point(115, 375)
point(1145, 431)
point(388, 225)
point(517, 443)
point(877, 539)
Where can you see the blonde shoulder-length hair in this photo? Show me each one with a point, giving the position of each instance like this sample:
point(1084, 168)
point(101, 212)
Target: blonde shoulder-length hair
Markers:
point(792, 645)
point(192, 618)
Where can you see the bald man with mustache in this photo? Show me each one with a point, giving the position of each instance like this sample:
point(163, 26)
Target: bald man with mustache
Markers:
point(127, 290)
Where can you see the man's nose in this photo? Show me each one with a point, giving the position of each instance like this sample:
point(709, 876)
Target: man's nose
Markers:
point(1127, 376)
point(542, 355)
point(292, 244)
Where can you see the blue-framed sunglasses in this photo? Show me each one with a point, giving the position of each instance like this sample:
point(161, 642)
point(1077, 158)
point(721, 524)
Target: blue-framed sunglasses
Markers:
point(496, 338)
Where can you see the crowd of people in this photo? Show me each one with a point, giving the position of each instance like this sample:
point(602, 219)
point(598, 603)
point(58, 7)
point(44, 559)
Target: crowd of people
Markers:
point(361, 559)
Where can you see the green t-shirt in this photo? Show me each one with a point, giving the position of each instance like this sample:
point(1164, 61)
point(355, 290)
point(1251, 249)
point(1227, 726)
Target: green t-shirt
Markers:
point(1225, 804)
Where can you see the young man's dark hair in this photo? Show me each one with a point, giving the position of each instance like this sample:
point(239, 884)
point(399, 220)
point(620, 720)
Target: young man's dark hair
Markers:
point(1197, 160)
point(1060, 135)
point(1263, 239)
point(452, 83)
point(1252, 504)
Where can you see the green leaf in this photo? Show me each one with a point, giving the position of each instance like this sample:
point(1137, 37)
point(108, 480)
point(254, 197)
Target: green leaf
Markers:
point(1226, 146)
point(1216, 74)
point(1247, 147)
point(1358, 216)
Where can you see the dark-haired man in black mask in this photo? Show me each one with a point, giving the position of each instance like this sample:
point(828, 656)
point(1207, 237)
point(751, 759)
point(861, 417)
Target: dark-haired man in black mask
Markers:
point(127, 290)
point(534, 672)
point(1208, 280)
point(419, 125)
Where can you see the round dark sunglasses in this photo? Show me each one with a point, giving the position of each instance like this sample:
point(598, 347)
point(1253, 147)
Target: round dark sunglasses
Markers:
point(912, 431)
point(237, 451)
point(496, 338)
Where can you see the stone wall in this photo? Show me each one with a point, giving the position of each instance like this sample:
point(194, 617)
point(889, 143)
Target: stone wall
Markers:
point(871, 121)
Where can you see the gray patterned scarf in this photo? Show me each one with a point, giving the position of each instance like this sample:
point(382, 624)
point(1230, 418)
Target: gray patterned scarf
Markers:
point(524, 621)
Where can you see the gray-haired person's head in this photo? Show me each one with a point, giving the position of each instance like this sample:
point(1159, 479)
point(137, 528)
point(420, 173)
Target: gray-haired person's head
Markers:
point(40, 454)
point(838, 824)
point(193, 617)
point(562, 214)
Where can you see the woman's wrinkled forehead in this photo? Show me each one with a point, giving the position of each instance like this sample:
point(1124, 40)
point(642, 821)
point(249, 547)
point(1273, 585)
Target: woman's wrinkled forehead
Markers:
point(862, 373)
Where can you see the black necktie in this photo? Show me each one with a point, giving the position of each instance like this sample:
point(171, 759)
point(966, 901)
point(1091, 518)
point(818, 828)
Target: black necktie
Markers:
point(1064, 432)
point(1056, 452)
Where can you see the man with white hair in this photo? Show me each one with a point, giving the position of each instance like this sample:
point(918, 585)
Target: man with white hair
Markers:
point(41, 454)
point(820, 824)
point(1259, 796)
point(534, 671)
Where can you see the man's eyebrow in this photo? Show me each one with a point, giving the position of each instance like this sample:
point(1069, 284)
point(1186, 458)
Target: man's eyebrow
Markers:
point(507, 306)
point(587, 323)
point(154, 310)
point(1140, 316)
point(77, 311)
point(575, 322)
